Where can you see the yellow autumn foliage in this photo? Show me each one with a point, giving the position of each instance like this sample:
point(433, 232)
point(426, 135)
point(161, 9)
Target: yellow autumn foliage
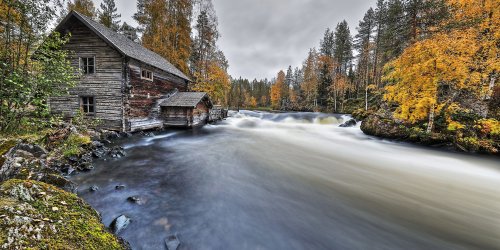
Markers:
point(217, 84)
point(462, 58)
point(276, 90)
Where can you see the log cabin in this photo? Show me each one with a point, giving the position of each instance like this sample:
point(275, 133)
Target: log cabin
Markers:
point(122, 83)
point(186, 109)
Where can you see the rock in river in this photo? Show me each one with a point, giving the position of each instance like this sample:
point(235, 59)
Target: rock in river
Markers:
point(172, 242)
point(136, 200)
point(93, 188)
point(119, 224)
point(349, 123)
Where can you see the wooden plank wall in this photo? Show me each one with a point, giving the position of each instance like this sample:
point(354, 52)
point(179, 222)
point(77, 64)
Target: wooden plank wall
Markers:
point(143, 93)
point(105, 85)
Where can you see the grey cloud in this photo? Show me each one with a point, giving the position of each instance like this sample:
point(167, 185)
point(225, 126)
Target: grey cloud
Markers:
point(260, 37)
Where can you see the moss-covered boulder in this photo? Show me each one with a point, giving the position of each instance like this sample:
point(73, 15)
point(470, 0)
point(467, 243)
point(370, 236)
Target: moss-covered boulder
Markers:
point(36, 215)
point(5, 146)
point(383, 127)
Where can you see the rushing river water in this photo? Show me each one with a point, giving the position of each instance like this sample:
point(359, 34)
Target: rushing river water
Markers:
point(296, 181)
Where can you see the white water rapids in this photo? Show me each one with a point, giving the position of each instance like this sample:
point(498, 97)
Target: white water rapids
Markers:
point(297, 181)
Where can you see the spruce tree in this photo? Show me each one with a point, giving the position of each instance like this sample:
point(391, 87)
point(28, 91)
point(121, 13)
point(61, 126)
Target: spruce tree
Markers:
point(108, 15)
point(395, 36)
point(380, 16)
point(363, 44)
point(129, 31)
point(85, 7)
point(343, 47)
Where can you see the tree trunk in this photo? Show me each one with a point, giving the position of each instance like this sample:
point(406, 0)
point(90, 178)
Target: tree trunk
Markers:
point(366, 98)
point(430, 125)
point(490, 87)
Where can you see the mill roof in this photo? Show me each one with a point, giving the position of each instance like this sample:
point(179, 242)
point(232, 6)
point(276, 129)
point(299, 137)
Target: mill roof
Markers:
point(126, 46)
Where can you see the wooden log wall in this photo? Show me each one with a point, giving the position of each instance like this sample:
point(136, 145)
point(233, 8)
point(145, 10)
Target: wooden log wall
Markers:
point(144, 93)
point(105, 85)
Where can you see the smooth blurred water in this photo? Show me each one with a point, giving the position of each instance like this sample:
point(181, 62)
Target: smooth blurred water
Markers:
point(297, 181)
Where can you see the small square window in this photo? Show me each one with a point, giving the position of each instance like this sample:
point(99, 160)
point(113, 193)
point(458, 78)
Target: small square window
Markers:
point(87, 65)
point(146, 74)
point(87, 105)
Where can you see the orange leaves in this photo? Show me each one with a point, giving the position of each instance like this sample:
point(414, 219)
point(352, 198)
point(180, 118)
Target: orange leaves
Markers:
point(276, 90)
point(217, 83)
point(463, 58)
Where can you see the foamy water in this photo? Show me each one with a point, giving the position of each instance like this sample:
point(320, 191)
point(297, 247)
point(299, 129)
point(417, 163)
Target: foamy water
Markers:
point(297, 181)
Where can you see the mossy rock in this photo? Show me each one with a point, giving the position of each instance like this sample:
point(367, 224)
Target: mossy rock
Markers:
point(5, 146)
point(36, 215)
point(386, 128)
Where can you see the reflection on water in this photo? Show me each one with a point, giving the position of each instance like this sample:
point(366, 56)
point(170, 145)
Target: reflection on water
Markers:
point(297, 181)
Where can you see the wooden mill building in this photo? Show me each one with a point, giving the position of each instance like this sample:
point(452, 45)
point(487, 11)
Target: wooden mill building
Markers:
point(186, 109)
point(123, 84)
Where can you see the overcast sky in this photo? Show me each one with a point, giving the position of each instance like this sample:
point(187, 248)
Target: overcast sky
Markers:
point(260, 37)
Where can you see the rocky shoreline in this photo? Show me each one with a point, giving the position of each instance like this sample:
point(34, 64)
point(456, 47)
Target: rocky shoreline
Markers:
point(384, 126)
point(38, 203)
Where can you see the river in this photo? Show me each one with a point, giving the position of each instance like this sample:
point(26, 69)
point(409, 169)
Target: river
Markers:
point(296, 181)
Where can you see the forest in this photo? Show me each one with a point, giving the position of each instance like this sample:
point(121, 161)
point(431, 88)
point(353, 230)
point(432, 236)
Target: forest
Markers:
point(420, 70)
point(426, 62)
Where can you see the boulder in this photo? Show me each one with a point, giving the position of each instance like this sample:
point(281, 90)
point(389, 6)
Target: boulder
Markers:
point(119, 224)
point(60, 182)
point(125, 134)
point(20, 156)
point(110, 135)
point(349, 123)
point(93, 188)
point(172, 242)
point(384, 127)
point(116, 152)
point(136, 200)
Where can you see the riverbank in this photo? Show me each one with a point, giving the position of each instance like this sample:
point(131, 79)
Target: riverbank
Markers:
point(38, 205)
point(470, 135)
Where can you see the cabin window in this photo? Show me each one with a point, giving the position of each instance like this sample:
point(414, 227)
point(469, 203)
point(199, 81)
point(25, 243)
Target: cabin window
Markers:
point(146, 74)
point(87, 65)
point(87, 104)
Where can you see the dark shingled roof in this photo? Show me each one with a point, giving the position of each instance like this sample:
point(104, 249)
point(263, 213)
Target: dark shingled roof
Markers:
point(126, 46)
point(184, 99)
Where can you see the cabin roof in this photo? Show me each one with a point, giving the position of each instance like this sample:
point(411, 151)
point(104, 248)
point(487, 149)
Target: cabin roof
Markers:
point(126, 46)
point(185, 99)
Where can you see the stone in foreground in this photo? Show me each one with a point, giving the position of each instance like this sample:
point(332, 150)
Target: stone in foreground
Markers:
point(119, 224)
point(172, 242)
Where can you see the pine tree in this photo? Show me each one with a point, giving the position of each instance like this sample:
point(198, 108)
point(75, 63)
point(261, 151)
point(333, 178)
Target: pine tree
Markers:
point(363, 44)
point(422, 16)
point(309, 85)
point(380, 25)
point(129, 31)
point(166, 29)
point(108, 16)
point(343, 47)
point(204, 44)
point(395, 36)
point(85, 7)
point(285, 92)
point(326, 65)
